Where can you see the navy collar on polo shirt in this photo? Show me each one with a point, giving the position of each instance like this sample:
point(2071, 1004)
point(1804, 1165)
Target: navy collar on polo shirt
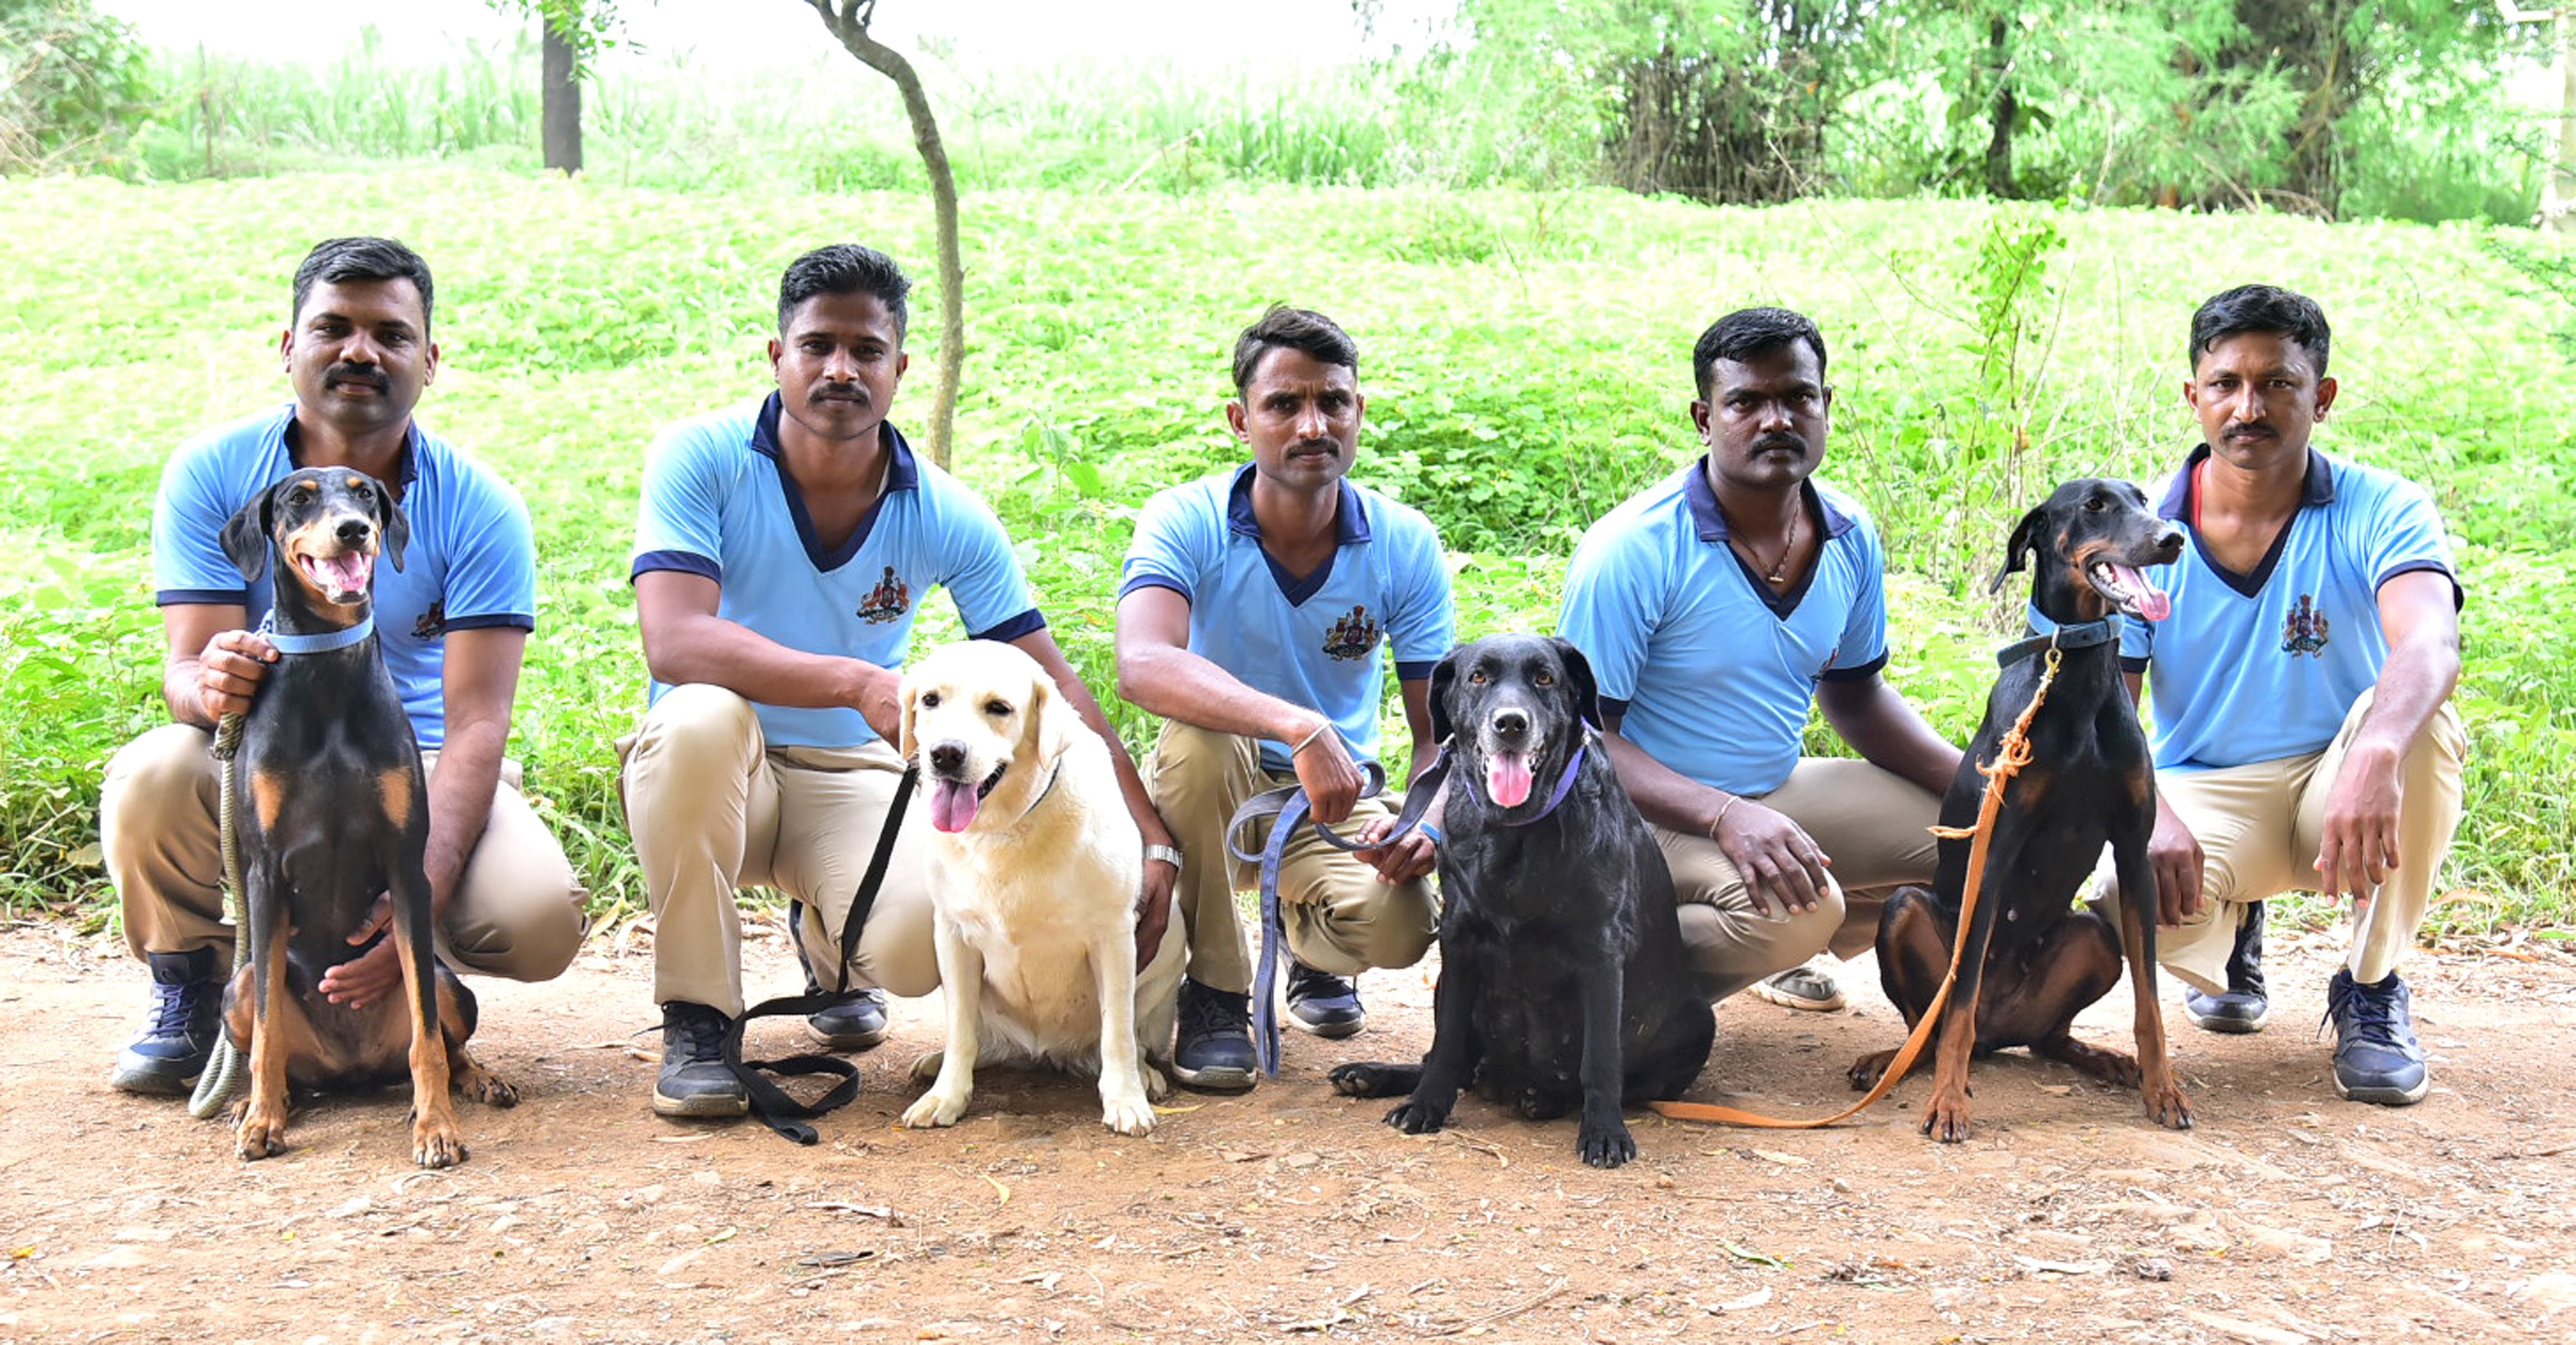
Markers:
point(2317, 489)
point(1711, 523)
point(406, 465)
point(1350, 526)
point(902, 473)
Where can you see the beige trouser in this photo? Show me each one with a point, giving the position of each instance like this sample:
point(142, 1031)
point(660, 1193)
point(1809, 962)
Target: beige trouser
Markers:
point(2260, 826)
point(714, 809)
point(1340, 918)
point(1876, 828)
point(517, 912)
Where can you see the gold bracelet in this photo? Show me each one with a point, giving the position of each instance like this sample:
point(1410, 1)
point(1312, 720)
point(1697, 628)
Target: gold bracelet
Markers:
point(1731, 801)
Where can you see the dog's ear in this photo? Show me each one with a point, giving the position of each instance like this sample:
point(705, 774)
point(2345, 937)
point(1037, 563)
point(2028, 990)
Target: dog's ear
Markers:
point(245, 537)
point(2017, 551)
point(392, 523)
point(905, 742)
point(1581, 692)
point(1053, 723)
point(1444, 680)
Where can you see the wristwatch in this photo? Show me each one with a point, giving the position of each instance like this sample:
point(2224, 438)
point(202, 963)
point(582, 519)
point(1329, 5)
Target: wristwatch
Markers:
point(1169, 854)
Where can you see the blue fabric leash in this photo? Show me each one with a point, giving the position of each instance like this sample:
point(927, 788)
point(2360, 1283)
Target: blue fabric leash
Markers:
point(315, 644)
point(1290, 806)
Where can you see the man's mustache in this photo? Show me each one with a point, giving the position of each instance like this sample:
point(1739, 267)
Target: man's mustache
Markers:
point(355, 373)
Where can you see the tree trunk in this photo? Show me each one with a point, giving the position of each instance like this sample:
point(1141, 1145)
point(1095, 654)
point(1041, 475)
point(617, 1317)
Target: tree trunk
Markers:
point(2558, 196)
point(1999, 146)
point(848, 21)
point(562, 90)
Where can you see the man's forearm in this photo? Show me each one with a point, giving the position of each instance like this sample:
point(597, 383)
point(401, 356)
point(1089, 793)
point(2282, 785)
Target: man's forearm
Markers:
point(1666, 797)
point(2419, 676)
point(460, 803)
point(1174, 683)
point(718, 652)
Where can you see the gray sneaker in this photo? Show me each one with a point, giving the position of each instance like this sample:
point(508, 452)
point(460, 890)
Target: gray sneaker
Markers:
point(695, 1080)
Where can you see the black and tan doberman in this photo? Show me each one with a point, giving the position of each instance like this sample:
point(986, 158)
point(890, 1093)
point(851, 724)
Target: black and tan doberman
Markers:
point(331, 811)
point(2033, 959)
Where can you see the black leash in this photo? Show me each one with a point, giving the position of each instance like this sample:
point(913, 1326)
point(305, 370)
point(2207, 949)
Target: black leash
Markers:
point(775, 1106)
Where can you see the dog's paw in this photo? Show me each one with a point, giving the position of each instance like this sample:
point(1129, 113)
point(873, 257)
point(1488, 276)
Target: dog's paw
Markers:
point(1127, 1115)
point(1945, 1118)
point(1415, 1118)
point(2168, 1108)
point(1865, 1072)
point(437, 1144)
point(926, 1067)
point(1605, 1146)
point(934, 1109)
point(1366, 1079)
point(478, 1084)
point(262, 1134)
point(1158, 1085)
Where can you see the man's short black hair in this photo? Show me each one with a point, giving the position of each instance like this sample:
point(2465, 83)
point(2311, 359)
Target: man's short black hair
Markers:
point(337, 261)
point(1298, 329)
point(1750, 332)
point(845, 268)
point(2262, 308)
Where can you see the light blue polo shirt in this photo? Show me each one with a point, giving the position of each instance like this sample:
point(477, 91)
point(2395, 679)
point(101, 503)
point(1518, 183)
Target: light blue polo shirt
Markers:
point(1713, 673)
point(472, 561)
point(1310, 641)
point(715, 503)
point(2257, 667)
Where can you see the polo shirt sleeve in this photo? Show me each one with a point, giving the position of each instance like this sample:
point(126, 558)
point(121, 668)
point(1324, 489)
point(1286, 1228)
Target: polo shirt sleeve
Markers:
point(491, 558)
point(1862, 650)
point(2137, 644)
point(679, 522)
point(1612, 601)
point(1422, 623)
point(1168, 550)
point(979, 571)
point(2405, 535)
point(188, 516)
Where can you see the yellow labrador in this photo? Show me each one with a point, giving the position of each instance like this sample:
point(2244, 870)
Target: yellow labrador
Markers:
point(1034, 870)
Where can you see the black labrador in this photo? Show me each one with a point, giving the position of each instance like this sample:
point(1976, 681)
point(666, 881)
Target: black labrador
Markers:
point(331, 810)
point(2034, 960)
point(1562, 975)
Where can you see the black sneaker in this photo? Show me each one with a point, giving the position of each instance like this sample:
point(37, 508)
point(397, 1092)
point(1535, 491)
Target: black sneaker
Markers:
point(856, 1021)
point(695, 1081)
point(187, 1013)
point(2376, 1055)
point(1213, 1048)
point(2244, 1008)
point(1322, 1003)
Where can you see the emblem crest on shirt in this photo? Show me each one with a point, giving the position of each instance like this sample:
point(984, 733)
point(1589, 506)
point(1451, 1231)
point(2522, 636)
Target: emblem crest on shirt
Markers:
point(2305, 632)
point(888, 601)
point(1353, 635)
point(432, 623)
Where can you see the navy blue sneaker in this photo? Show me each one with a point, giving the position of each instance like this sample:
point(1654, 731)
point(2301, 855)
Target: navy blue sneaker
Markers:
point(1212, 1050)
point(856, 1021)
point(695, 1081)
point(187, 1012)
point(1322, 1003)
point(2244, 1007)
point(2376, 1055)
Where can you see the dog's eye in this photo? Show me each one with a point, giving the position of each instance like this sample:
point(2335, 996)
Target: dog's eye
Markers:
point(1478, 677)
point(2096, 505)
point(930, 700)
point(1545, 679)
point(997, 708)
point(299, 495)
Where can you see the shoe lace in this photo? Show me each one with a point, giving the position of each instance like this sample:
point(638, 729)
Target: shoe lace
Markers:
point(1305, 982)
point(1213, 1015)
point(695, 1035)
point(183, 1008)
point(2364, 1015)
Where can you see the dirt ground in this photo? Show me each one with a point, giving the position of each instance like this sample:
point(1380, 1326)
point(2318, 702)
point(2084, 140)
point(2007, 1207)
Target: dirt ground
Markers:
point(2287, 1216)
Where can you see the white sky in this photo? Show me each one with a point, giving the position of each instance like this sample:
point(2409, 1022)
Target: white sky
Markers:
point(752, 33)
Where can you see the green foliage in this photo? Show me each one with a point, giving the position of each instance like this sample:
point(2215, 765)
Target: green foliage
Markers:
point(71, 80)
point(1525, 355)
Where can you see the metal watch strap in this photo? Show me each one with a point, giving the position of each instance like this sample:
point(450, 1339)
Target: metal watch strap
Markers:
point(1169, 854)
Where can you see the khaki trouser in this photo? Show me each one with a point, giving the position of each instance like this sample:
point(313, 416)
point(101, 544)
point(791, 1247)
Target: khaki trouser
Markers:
point(2260, 826)
point(1340, 918)
point(516, 913)
point(714, 809)
point(1874, 826)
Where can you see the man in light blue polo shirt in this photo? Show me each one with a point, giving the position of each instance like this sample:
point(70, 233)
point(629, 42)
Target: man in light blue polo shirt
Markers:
point(782, 551)
point(1256, 613)
point(1715, 608)
point(452, 621)
point(2304, 736)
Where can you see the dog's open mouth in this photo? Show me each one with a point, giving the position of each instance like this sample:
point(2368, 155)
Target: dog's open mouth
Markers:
point(953, 802)
point(1507, 778)
point(2126, 588)
point(342, 578)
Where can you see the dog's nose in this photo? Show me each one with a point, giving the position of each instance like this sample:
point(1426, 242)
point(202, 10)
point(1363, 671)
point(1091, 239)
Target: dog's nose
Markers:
point(353, 532)
point(2169, 540)
point(947, 756)
point(1511, 723)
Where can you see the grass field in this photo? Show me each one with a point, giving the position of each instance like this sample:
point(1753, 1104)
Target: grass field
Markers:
point(1526, 355)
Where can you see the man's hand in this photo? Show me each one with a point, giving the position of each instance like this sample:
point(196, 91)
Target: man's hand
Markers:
point(1402, 862)
point(1781, 864)
point(1154, 908)
point(880, 700)
point(2359, 845)
point(2173, 854)
point(1324, 768)
point(369, 977)
point(229, 671)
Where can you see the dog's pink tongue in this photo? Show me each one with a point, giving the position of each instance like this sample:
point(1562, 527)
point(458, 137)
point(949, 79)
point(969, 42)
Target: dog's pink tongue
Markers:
point(2153, 604)
point(952, 804)
point(1507, 778)
point(345, 575)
